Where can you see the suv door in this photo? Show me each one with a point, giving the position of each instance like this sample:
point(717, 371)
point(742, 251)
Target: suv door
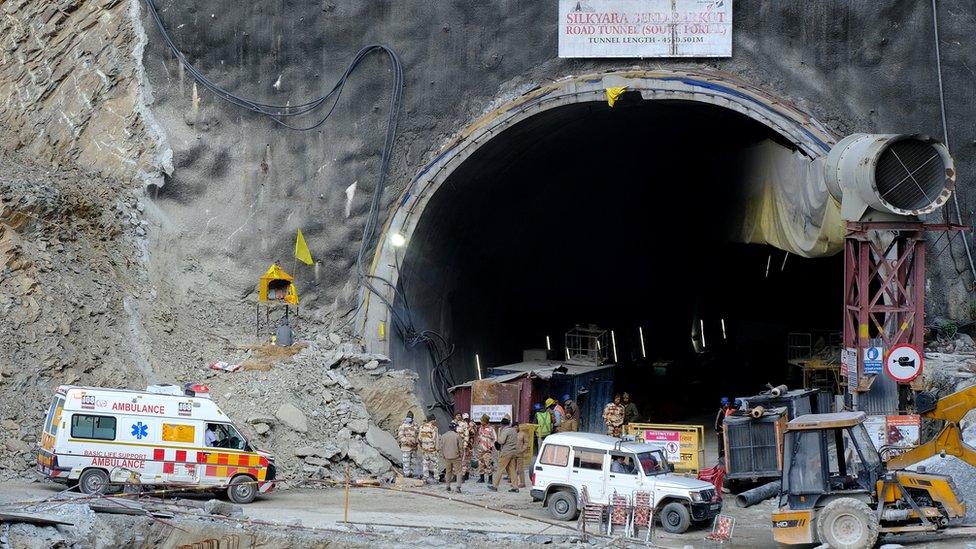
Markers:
point(623, 474)
point(587, 469)
point(552, 465)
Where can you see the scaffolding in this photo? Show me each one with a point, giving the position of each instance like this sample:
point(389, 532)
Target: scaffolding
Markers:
point(588, 345)
point(817, 355)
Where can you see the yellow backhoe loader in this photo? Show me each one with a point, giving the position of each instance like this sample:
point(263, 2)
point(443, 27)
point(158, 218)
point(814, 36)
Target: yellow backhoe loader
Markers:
point(835, 488)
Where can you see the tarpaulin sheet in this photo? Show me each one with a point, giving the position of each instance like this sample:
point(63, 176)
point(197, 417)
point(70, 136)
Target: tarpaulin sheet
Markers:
point(786, 203)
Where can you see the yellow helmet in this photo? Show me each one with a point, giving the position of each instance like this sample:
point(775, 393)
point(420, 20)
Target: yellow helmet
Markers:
point(550, 402)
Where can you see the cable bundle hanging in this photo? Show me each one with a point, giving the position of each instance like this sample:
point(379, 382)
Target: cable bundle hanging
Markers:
point(437, 347)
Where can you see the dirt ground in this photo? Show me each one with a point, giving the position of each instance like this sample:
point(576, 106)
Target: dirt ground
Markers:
point(323, 508)
point(425, 507)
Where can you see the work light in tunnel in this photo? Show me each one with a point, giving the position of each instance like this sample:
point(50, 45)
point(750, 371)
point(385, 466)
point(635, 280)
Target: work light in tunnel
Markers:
point(397, 240)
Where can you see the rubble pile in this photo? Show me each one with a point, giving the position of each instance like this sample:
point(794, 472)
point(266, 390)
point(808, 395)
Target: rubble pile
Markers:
point(311, 411)
point(70, 262)
point(950, 365)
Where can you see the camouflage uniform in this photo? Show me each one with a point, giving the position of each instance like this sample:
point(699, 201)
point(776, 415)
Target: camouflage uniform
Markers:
point(613, 416)
point(486, 446)
point(407, 439)
point(464, 431)
point(428, 446)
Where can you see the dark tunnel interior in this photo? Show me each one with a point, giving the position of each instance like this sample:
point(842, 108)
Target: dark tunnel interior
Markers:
point(620, 217)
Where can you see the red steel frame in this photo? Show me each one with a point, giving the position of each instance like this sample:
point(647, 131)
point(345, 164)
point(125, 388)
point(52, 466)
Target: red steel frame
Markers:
point(884, 288)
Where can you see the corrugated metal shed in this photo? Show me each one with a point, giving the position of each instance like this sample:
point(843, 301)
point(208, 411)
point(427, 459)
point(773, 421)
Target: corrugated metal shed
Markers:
point(591, 386)
point(882, 398)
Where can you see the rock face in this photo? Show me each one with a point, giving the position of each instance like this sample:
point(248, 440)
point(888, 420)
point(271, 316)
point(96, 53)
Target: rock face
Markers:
point(92, 117)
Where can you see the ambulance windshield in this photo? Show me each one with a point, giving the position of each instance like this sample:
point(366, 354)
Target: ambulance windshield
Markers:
point(224, 435)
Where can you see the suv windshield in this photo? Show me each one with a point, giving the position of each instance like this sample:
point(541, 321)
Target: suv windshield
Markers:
point(653, 462)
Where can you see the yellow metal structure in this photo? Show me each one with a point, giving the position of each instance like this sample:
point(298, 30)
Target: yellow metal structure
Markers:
point(950, 409)
point(793, 527)
point(279, 284)
point(691, 443)
point(901, 501)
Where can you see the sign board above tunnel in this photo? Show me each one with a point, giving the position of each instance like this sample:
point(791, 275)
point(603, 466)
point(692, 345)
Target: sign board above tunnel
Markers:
point(645, 28)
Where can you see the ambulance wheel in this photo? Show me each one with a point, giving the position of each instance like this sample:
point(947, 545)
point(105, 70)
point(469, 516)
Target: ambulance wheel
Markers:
point(675, 517)
point(93, 481)
point(847, 523)
point(242, 489)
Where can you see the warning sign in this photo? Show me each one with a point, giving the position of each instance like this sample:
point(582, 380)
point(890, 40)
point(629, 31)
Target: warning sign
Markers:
point(670, 442)
point(903, 363)
point(690, 443)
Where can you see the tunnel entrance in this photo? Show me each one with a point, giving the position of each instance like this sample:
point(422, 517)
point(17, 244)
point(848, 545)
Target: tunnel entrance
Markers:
point(620, 218)
point(629, 218)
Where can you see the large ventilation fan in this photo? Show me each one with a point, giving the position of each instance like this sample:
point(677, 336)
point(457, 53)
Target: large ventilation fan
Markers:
point(905, 175)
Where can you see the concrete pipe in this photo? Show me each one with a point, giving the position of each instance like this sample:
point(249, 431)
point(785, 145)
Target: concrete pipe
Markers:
point(899, 174)
point(778, 390)
point(757, 412)
point(757, 494)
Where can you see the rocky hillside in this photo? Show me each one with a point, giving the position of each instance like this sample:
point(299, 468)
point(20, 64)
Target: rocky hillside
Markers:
point(83, 304)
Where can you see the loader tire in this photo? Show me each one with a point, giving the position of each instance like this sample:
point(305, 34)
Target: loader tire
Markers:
point(847, 523)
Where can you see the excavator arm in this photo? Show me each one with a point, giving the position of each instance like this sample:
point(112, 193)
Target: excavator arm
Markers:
point(951, 409)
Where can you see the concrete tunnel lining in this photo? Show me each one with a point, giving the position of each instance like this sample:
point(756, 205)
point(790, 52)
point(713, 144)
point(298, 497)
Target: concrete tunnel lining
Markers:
point(787, 126)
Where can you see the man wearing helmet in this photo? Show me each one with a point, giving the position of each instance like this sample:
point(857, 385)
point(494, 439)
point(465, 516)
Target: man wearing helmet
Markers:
point(726, 408)
point(571, 417)
point(543, 421)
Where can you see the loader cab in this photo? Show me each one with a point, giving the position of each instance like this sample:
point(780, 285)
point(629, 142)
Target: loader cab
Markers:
point(826, 454)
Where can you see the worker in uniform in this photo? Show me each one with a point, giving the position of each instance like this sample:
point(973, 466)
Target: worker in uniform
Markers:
point(543, 422)
point(451, 448)
point(427, 437)
point(726, 408)
point(463, 430)
point(613, 416)
point(485, 448)
point(571, 417)
point(630, 410)
point(521, 446)
point(559, 417)
point(407, 439)
point(507, 445)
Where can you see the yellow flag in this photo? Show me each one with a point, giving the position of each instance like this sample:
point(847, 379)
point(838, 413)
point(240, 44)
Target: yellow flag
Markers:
point(614, 93)
point(301, 250)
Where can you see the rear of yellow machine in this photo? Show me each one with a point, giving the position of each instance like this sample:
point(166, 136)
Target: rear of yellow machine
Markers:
point(794, 527)
point(908, 496)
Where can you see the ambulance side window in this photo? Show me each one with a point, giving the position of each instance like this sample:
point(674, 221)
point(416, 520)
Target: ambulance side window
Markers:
point(93, 427)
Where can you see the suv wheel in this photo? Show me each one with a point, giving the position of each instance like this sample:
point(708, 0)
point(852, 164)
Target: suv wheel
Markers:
point(562, 505)
point(675, 517)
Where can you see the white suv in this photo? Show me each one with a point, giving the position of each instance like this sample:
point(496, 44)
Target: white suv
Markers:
point(569, 461)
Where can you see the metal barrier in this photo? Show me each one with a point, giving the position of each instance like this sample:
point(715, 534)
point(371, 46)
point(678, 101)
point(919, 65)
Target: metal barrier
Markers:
point(684, 445)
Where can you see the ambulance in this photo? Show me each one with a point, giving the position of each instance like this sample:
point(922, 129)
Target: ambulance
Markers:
point(167, 435)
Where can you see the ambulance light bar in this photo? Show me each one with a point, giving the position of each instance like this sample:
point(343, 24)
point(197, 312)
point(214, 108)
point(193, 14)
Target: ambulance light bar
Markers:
point(165, 389)
point(197, 389)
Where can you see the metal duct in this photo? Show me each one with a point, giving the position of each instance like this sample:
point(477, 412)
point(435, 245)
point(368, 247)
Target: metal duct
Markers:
point(894, 173)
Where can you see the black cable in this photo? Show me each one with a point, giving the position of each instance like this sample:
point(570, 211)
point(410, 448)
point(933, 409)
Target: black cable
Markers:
point(438, 349)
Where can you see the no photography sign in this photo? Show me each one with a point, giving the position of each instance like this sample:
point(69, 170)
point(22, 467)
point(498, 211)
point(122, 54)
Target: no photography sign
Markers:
point(903, 363)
